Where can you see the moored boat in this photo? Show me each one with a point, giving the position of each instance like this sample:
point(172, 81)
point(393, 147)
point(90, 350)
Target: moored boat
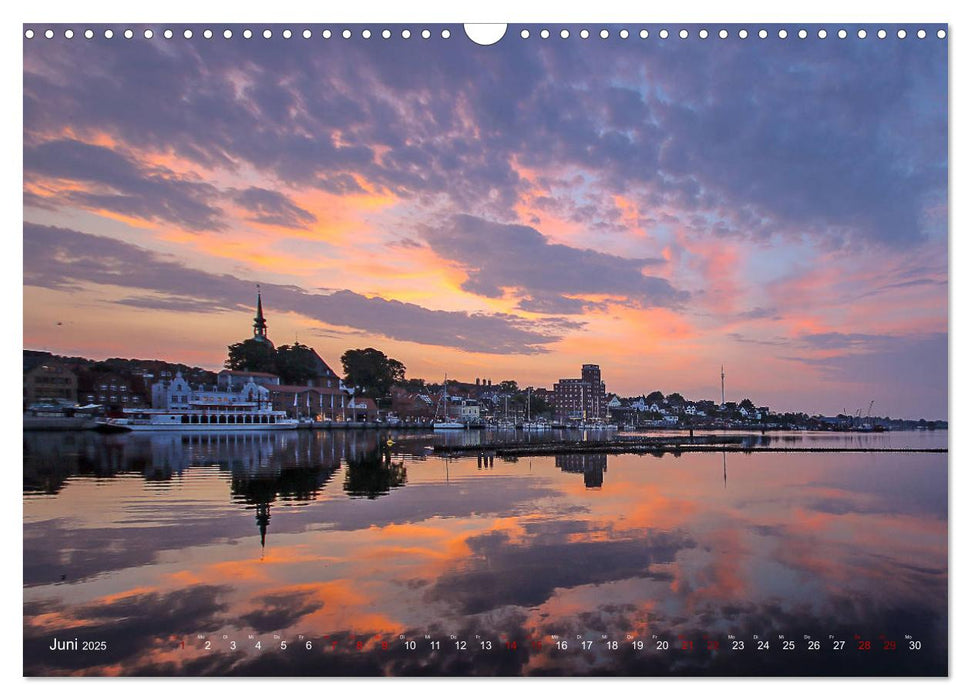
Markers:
point(448, 425)
point(201, 417)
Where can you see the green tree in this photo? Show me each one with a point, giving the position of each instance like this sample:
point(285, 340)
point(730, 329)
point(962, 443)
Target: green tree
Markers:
point(508, 386)
point(252, 356)
point(747, 405)
point(654, 397)
point(295, 363)
point(371, 372)
point(675, 398)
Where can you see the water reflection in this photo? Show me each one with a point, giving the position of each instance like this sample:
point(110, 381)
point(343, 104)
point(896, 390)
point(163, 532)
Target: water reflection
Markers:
point(149, 542)
point(592, 466)
point(373, 473)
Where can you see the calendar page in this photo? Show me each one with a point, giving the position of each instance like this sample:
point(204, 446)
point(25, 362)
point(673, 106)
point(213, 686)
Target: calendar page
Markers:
point(489, 350)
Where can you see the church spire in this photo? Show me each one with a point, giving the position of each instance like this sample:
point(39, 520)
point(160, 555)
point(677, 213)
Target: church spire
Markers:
point(259, 323)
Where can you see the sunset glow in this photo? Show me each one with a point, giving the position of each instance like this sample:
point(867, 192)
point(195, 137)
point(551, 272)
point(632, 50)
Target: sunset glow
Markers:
point(504, 212)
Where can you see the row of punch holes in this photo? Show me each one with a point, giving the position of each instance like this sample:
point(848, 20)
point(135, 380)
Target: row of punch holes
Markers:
point(524, 33)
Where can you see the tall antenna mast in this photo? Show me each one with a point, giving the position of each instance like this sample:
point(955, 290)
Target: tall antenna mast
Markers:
point(723, 385)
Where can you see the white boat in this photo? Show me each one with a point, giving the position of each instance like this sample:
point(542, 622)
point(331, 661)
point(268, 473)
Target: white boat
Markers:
point(446, 423)
point(202, 417)
point(535, 426)
point(596, 426)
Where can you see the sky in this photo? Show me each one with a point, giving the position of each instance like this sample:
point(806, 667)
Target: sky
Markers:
point(658, 207)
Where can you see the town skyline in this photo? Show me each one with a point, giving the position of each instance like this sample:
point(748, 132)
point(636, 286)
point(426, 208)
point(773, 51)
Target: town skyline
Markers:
point(473, 211)
point(260, 328)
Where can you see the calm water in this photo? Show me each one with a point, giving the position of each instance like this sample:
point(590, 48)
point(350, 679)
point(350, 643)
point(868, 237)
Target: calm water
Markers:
point(206, 555)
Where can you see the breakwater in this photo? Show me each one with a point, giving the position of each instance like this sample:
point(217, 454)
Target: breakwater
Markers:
point(653, 446)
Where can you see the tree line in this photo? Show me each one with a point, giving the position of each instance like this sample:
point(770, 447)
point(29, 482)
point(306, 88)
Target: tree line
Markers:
point(368, 371)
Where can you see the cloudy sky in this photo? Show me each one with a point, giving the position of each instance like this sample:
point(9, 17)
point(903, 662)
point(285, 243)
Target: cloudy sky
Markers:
point(660, 207)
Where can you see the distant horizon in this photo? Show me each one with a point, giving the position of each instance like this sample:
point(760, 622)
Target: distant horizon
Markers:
point(660, 208)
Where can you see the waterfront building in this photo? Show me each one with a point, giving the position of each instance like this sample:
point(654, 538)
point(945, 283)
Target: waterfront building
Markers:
point(50, 382)
point(583, 399)
point(319, 403)
point(412, 405)
point(177, 394)
point(469, 411)
point(361, 409)
point(109, 389)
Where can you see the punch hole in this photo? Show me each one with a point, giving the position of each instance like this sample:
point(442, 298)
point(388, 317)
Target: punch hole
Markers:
point(486, 34)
